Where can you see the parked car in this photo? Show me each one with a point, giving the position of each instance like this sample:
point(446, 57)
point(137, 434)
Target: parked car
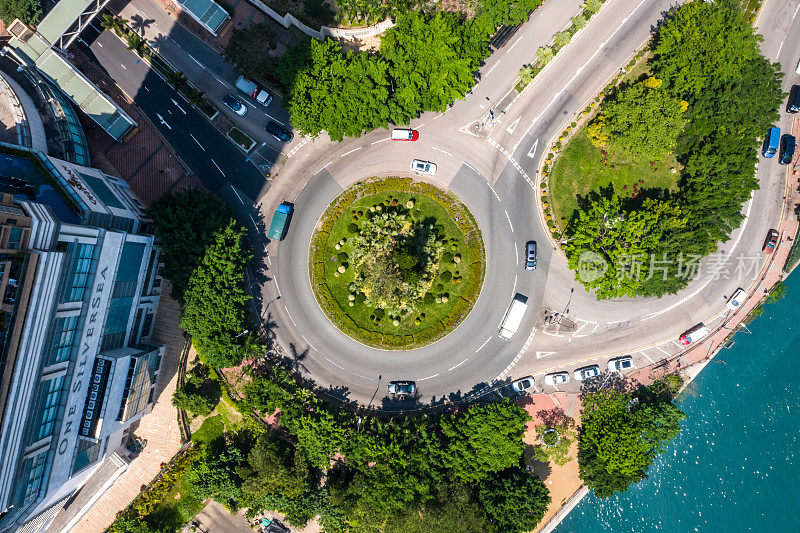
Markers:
point(530, 255)
point(523, 384)
point(279, 132)
point(402, 387)
point(248, 87)
point(619, 364)
point(694, 334)
point(771, 142)
point(404, 134)
point(736, 299)
point(787, 149)
point(587, 372)
point(556, 378)
point(235, 105)
point(424, 167)
point(770, 241)
point(793, 105)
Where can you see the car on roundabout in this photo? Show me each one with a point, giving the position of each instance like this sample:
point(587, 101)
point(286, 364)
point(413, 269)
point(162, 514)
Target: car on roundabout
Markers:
point(404, 134)
point(423, 167)
point(530, 255)
point(556, 378)
point(736, 299)
point(586, 372)
point(523, 384)
point(619, 364)
point(402, 387)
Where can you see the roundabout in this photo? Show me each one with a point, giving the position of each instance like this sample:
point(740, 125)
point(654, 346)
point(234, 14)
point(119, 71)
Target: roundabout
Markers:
point(396, 263)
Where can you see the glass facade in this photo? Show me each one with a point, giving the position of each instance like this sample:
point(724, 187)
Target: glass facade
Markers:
point(87, 452)
point(65, 337)
point(125, 282)
point(33, 472)
point(138, 384)
point(81, 269)
point(51, 401)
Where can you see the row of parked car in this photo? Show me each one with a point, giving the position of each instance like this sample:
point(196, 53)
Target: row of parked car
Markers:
point(784, 145)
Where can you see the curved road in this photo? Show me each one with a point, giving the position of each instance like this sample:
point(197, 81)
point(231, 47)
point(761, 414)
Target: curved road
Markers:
point(491, 165)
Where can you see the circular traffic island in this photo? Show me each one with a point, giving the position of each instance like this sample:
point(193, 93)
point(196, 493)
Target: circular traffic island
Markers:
point(396, 263)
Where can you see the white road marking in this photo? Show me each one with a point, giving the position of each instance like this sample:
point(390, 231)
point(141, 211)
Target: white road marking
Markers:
point(440, 115)
point(195, 60)
point(532, 151)
point(539, 355)
point(481, 106)
point(334, 363)
point(200, 145)
point(269, 261)
point(289, 315)
point(491, 69)
point(253, 220)
point(795, 11)
point(100, 45)
point(223, 82)
point(492, 188)
point(429, 377)
point(516, 252)
point(301, 190)
point(382, 140)
point(234, 190)
point(509, 221)
point(440, 150)
point(515, 44)
point(145, 88)
point(779, 49)
point(421, 125)
point(470, 166)
point(216, 165)
point(647, 357)
point(514, 289)
point(326, 164)
point(164, 122)
point(616, 321)
point(458, 365)
point(660, 349)
point(513, 125)
point(365, 377)
point(351, 151)
point(312, 346)
point(484, 344)
point(179, 107)
point(275, 279)
point(123, 66)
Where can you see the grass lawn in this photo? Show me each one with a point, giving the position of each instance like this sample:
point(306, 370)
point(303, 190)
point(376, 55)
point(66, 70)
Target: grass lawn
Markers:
point(580, 168)
point(457, 282)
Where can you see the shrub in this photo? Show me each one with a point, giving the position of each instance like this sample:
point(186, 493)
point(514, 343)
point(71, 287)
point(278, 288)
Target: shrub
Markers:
point(579, 21)
point(445, 276)
point(352, 227)
point(342, 256)
point(563, 38)
point(592, 6)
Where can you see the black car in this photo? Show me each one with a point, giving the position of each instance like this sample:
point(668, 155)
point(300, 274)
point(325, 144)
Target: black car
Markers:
point(279, 132)
point(530, 255)
point(402, 387)
point(787, 149)
point(793, 105)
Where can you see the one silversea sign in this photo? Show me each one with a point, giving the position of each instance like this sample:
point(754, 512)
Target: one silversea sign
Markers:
point(94, 397)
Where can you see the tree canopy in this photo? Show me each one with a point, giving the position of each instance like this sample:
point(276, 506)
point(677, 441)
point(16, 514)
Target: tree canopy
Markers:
point(28, 11)
point(513, 499)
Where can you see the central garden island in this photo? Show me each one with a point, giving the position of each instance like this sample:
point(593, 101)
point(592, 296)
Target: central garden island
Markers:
point(396, 263)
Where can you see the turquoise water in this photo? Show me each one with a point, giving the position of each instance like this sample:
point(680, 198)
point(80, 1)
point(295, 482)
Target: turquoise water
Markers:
point(735, 466)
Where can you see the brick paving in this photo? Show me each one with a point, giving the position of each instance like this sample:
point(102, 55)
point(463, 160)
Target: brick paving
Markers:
point(145, 160)
point(159, 427)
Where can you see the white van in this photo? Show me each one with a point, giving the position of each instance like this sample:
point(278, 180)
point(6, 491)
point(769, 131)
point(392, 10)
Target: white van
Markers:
point(513, 317)
point(694, 334)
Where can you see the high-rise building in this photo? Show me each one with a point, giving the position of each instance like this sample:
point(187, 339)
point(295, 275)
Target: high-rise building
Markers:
point(79, 290)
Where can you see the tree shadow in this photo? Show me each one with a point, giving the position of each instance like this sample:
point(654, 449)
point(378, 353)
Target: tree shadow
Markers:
point(540, 469)
point(138, 24)
point(610, 381)
point(294, 359)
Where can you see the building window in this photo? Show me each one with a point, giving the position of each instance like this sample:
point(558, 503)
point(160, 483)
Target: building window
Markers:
point(64, 339)
point(34, 472)
point(87, 452)
point(14, 238)
point(52, 390)
point(81, 270)
point(148, 323)
point(139, 385)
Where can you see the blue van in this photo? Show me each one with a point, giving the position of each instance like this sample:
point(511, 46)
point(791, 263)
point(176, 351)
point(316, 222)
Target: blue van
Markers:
point(771, 142)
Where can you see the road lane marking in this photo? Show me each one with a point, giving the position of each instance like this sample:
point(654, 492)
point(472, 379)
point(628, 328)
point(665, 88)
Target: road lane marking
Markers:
point(539, 355)
point(223, 82)
point(164, 122)
point(647, 357)
point(513, 125)
point(532, 151)
point(334, 363)
point(470, 166)
point(458, 365)
point(382, 140)
point(492, 188)
point(779, 49)
point(312, 346)
point(201, 146)
point(253, 220)
point(429, 377)
point(440, 150)
point(100, 45)
point(145, 88)
point(514, 289)
point(439, 116)
point(484, 344)
point(795, 11)
point(289, 315)
point(365, 377)
point(660, 349)
point(509, 221)
point(195, 60)
point(123, 66)
point(176, 105)
point(351, 151)
point(275, 279)
point(516, 252)
point(234, 188)
point(326, 164)
point(421, 125)
point(216, 165)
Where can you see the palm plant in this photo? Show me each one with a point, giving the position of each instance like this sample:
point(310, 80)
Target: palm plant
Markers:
point(526, 74)
point(136, 43)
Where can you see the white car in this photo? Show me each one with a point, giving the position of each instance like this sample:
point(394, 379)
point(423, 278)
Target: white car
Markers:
point(736, 299)
point(423, 167)
point(587, 372)
point(556, 378)
point(619, 364)
point(523, 384)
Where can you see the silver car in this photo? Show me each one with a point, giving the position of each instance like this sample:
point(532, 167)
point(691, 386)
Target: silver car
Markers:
point(423, 167)
point(587, 372)
point(620, 364)
point(402, 387)
point(523, 384)
point(556, 378)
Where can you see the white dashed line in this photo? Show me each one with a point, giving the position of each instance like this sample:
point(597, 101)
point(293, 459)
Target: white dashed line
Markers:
point(484, 344)
point(364, 377)
point(216, 165)
point(123, 66)
point(440, 150)
point(509, 222)
point(235, 192)
point(289, 315)
point(514, 289)
point(516, 252)
point(493, 191)
point(382, 140)
point(334, 363)
point(459, 364)
point(326, 164)
point(351, 151)
point(470, 166)
point(429, 377)
point(198, 144)
point(276, 283)
point(439, 116)
point(662, 350)
point(647, 357)
point(312, 346)
point(253, 221)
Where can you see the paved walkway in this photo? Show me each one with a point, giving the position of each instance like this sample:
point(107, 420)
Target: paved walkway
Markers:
point(159, 427)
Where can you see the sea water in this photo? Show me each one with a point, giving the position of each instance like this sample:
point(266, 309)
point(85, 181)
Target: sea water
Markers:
point(735, 466)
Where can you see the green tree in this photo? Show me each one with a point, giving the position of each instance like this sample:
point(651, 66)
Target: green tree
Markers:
point(556, 442)
point(274, 467)
point(487, 438)
point(514, 500)
point(620, 438)
point(215, 312)
point(319, 433)
point(213, 473)
point(199, 394)
point(185, 223)
point(28, 11)
point(592, 6)
point(544, 54)
point(248, 49)
point(643, 119)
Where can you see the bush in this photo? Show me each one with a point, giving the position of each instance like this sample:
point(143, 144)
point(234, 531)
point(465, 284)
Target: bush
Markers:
point(445, 276)
point(352, 227)
point(199, 394)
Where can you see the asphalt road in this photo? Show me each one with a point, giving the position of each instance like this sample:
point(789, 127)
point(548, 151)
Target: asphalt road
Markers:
point(211, 156)
point(507, 160)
